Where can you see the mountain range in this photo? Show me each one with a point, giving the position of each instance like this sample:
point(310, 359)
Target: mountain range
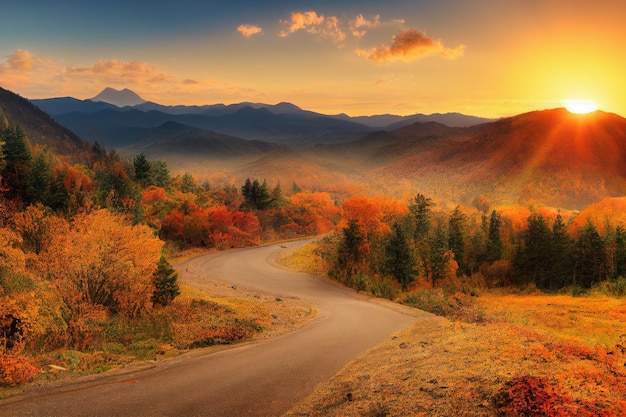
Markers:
point(548, 157)
point(113, 116)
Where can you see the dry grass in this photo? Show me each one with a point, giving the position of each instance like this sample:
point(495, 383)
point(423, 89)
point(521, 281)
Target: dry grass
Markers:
point(528, 355)
point(445, 368)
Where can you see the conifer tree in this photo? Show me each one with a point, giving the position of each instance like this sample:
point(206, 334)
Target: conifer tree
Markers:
point(17, 173)
point(349, 251)
point(456, 238)
point(494, 242)
point(400, 262)
point(590, 267)
point(561, 268)
point(166, 286)
point(142, 169)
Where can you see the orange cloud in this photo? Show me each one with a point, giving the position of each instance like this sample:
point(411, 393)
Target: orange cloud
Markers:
point(120, 72)
point(410, 45)
point(21, 59)
point(311, 22)
point(249, 30)
point(359, 24)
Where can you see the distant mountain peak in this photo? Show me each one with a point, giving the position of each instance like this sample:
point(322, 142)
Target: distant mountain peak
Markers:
point(120, 98)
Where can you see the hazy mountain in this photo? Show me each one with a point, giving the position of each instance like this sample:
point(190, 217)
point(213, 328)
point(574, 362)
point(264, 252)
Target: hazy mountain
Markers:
point(285, 122)
point(40, 128)
point(172, 140)
point(391, 122)
point(120, 98)
point(117, 127)
point(545, 157)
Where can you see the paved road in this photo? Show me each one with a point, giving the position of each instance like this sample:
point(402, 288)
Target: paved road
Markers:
point(263, 378)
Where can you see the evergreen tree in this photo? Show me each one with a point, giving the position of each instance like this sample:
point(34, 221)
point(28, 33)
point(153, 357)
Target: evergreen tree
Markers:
point(166, 286)
point(494, 242)
point(42, 181)
point(17, 173)
point(349, 250)
point(438, 255)
point(561, 268)
point(420, 219)
point(534, 256)
point(142, 170)
point(456, 237)
point(276, 197)
point(620, 252)
point(256, 196)
point(420, 210)
point(591, 261)
point(400, 263)
point(160, 174)
point(188, 184)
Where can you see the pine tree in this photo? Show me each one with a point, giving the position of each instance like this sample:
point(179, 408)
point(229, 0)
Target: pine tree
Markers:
point(400, 262)
point(494, 242)
point(349, 250)
point(17, 173)
point(590, 267)
point(534, 256)
point(561, 268)
point(142, 169)
point(456, 238)
point(166, 286)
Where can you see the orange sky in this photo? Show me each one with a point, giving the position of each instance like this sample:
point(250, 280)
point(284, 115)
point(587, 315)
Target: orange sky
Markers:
point(487, 58)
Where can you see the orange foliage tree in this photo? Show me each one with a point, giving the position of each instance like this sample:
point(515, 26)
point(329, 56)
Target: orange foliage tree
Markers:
point(102, 263)
point(233, 229)
point(374, 215)
point(314, 212)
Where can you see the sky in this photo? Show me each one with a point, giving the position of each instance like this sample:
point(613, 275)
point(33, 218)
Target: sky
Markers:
point(489, 58)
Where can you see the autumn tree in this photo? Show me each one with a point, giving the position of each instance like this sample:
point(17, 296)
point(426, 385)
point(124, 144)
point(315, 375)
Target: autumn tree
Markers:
point(101, 262)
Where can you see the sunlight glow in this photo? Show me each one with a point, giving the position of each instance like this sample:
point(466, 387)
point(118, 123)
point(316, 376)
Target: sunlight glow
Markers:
point(580, 106)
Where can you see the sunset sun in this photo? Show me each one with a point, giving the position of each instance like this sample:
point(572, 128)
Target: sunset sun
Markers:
point(579, 106)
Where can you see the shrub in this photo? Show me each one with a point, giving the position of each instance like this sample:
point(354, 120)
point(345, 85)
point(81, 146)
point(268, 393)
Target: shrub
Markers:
point(15, 370)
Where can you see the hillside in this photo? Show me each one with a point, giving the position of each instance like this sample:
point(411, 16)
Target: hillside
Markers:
point(547, 157)
point(40, 128)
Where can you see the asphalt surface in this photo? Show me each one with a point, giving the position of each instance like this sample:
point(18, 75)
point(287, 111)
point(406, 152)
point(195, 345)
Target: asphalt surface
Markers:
point(262, 378)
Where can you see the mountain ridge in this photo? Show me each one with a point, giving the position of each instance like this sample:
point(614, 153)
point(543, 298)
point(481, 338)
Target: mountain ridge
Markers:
point(119, 98)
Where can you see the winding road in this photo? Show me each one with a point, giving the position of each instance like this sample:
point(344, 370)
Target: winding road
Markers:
point(260, 378)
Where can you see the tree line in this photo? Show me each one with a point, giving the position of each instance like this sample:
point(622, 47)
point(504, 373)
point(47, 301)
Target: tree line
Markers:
point(379, 249)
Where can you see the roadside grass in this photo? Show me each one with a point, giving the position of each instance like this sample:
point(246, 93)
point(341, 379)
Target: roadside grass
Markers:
point(491, 355)
point(196, 319)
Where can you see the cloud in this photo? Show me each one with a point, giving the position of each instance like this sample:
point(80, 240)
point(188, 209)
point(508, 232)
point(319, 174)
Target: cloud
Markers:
point(311, 22)
point(249, 30)
point(410, 45)
point(359, 24)
point(21, 59)
point(115, 71)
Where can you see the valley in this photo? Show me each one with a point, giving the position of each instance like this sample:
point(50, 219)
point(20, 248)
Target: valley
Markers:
point(470, 220)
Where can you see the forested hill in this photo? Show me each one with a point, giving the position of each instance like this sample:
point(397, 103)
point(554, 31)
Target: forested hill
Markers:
point(40, 128)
